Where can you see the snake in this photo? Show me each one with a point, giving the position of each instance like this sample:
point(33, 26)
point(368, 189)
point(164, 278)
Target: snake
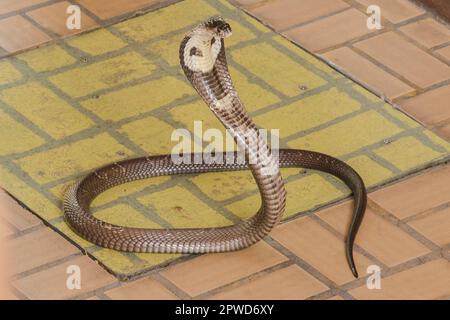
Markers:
point(203, 60)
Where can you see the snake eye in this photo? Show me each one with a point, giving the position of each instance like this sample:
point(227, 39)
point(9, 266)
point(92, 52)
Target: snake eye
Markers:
point(223, 30)
point(224, 27)
point(218, 26)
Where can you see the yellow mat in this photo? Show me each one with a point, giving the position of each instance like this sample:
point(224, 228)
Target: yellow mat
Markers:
point(119, 92)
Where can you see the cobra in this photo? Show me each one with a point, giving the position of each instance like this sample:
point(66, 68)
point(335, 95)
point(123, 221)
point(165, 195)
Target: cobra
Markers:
point(203, 60)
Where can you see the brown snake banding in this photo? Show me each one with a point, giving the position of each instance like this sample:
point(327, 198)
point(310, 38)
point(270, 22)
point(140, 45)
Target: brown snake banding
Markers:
point(202, 56)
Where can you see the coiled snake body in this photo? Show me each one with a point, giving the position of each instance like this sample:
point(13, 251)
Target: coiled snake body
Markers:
point(203, 60)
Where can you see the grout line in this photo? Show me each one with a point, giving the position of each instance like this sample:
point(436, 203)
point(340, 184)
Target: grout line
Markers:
point(45, 266)
point(3, 52)
point(127, 15)
point(243, 280)
point(385, 68)
point(440, 46)
point(20, 118)
point(101, 295)
point(310, 21)
point(303, 264)
point(149, 212)
point(357, 248)
point(24, 10)
point(170, 286)
point(18, 293)
point(427, 213)
point(364, 37)
point(28, 180)
point(422, 47)
point(20, 233)
point(439, 124)
point(248, 6)
point(324, 295)
point(4, 222)
point(388, 216)
point(96, 292)
point(40, 27)
point(88, 13)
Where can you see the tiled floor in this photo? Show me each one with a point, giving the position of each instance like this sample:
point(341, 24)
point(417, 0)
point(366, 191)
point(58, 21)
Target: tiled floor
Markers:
point(408, 240)
point(407, 61)
point(26, 24)
point(406, 229)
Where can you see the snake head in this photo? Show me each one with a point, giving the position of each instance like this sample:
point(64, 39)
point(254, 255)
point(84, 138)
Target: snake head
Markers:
point(201, 47)
point(218, 27)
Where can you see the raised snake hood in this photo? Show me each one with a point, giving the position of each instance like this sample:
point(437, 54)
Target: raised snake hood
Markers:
point(200, 48)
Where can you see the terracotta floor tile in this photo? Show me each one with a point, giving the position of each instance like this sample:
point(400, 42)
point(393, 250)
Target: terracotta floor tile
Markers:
point(415, 195)
point(395, 11)
point(444, 131)
point(51, 283)
point(19, 217)
point(380, 238)
point(38, 248)
point(406, 59)
point(247, 2)
point(288, 283)
point(336, 298)
point(367, 72)
point(331, 31)
point(106, 9)
point(281, 14)
point(445, 52)
point(317, 246)
point(5, 229)
point(428, 32)
point(7, 294)
point(435, 226)
point(430, 107)
point(54, 18)
point(16, 33)
point(428, 281)
point(210, 271)
point(142, 289)
point(7, 6)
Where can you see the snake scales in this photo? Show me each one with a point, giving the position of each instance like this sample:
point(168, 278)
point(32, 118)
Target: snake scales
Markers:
point(202, 57)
